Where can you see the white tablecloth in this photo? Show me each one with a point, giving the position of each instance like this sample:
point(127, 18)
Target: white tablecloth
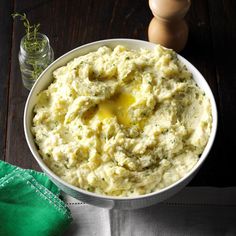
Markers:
point(194, 211)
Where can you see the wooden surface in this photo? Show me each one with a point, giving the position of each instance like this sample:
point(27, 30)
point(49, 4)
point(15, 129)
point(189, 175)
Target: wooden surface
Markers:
point(211, 48)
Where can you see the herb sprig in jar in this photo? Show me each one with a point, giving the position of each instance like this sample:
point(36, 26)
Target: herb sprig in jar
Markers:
point(35, 52)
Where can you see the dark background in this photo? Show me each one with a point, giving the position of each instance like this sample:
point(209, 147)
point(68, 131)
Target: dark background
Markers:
point(69, 24)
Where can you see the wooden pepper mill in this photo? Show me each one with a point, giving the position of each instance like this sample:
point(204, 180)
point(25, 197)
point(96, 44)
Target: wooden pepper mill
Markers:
point(168, 26)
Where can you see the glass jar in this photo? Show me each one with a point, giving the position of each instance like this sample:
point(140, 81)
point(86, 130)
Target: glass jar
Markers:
point(34, 61)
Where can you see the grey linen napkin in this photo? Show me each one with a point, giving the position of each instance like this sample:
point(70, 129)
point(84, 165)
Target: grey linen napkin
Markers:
point(193, 211)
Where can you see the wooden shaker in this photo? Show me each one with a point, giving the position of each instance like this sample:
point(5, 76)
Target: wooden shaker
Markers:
point(168, 26)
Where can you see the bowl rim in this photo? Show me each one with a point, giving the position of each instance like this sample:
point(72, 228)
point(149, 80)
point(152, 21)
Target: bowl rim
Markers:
point(202, 157)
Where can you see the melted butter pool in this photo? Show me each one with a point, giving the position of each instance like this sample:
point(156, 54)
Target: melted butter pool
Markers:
point(117, 106)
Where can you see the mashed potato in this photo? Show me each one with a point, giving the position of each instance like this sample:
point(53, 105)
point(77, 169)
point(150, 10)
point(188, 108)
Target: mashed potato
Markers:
point(122, 122)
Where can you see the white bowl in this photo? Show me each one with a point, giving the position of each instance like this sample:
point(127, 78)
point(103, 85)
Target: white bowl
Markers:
point(107, 201)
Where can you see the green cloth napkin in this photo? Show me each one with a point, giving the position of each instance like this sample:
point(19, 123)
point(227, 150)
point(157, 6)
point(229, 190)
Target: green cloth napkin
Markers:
point(30, 204)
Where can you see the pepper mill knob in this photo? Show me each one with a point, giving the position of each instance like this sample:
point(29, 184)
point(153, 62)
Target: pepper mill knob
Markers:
point(168, 26)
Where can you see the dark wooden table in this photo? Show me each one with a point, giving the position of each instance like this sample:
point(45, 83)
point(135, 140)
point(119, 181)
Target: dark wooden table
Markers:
point(68, 24)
